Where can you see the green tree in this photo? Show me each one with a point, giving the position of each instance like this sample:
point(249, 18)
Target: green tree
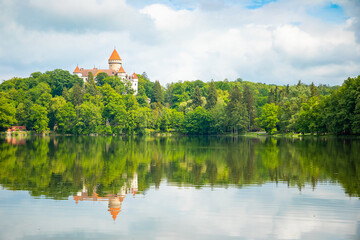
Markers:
point(196, 98)
point(269, 118)
point(211, 98)
point(116, 83)
point(39, 118)
point(310, 118)
point(66, 118)
point(218, 112)
point(250, 105)
point(342, 108)
point(77, 95)
point(90, 86)
point(100, 78)
point(236, 112)
point(59, 79)
point(141, 97)
point(313, 89)
point(157, 93)
point(88, 118)
point(62, 115)
point(22, 116)
point(7, 112)
point(197, 122)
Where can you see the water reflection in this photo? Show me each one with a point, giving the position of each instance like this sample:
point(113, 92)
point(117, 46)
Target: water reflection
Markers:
point(61, 167)
point(197, 187)
point(115, 200)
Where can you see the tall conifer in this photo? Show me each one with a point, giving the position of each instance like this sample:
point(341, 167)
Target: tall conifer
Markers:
point(157, 93)
point(237, 115)
point(196, 98)
point(211, 98)
point(313, 90)
point(250, 105)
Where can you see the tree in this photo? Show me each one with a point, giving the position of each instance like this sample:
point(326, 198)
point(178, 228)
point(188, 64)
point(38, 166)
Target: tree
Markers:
point(271, 98)
point(89, 118)
point(100, 78)
point(157, 93)
point(66, 118)
point(141, 97)
point(90, 86)
point(343, 108)
point(22, 116)
point(62, 115)
point(313, 89)
point(148, 86)
point(196, 98)
point(269, 118)
point(250, 105)
point(77, 95)
point(197, 122)
point(130, 102)
point(211, 98)
point(237, 115)
point(310, 118)
point(144, 74)
point(116, 83)
point(218, 112)
point(39, 118)
point(59, 79)
point(7, 112)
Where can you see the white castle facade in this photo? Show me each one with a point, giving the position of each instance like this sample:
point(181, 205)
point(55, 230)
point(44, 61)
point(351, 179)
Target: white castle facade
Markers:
point(115, 69)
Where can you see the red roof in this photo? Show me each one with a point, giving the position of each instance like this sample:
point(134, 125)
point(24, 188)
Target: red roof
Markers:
point(134, 76)
point(77, 70)
point(114, 56)
point(121, 70)
point(95, 72)
point(114, 212)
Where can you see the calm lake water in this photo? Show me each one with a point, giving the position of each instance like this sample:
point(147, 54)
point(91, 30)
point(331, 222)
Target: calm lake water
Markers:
point(179, 188)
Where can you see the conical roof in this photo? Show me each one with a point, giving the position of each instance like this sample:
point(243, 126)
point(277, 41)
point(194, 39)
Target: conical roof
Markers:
point(77, 70)
point(134, 76)
point(114, 212)
point(114, 56)
point(121, 70)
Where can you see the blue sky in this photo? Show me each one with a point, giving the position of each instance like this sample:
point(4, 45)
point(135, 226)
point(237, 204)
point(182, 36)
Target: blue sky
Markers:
point(269, 41)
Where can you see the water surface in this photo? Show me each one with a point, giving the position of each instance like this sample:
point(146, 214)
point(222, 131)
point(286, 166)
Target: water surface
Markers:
point(176, 188)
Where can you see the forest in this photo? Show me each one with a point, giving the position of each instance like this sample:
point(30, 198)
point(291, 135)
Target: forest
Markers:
point(60, 102)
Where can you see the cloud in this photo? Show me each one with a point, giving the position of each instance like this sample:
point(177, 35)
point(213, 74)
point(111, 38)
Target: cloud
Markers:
point(172, 212)
point(275, 42)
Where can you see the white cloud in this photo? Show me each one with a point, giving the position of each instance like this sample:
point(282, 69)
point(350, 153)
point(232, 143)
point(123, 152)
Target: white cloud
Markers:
point(277, 43)
point(272, 211)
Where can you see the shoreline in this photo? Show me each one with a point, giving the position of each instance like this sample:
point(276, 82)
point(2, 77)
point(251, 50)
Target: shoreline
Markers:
point(176, 134)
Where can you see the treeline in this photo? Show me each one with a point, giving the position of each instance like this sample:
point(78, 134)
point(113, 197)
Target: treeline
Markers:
point(58, 101)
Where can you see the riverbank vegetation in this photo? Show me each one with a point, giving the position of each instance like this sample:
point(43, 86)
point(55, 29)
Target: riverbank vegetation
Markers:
point(61, 102)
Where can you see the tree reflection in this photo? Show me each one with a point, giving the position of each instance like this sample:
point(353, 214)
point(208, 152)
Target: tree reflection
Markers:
point(64, 166)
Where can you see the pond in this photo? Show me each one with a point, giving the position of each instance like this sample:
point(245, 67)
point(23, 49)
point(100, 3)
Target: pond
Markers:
point(179, 188)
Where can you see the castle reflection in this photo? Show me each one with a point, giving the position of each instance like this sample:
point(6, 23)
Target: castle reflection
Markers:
point(115, 200)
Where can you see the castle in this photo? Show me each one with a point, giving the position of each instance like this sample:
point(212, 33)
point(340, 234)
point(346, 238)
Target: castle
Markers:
point(114, 200)
point(115, 69)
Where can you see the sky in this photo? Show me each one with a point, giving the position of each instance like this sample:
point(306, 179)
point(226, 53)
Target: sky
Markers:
point(269, 211)
point(267, 41)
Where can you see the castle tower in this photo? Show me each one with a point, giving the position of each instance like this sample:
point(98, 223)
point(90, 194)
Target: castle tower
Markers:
point(135, 83)
point(114, 61)
point(77, 71)
point(114, 207)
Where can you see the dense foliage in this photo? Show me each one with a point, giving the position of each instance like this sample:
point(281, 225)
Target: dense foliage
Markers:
point(58, 101)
